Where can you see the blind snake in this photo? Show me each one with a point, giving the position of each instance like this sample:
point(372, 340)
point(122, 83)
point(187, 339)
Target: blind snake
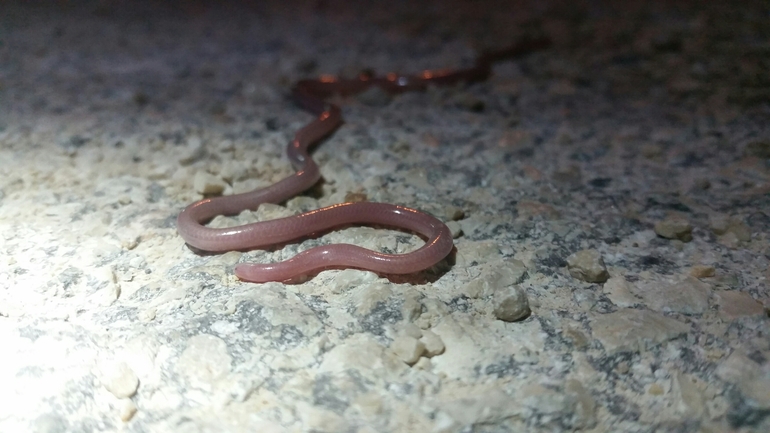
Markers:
point(311, 95)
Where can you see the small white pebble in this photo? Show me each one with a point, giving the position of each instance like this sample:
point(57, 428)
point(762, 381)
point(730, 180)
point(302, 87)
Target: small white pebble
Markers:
point(433, 344)
point(587, 265)
point(511, 304)
point(423, 364)
point(120, 380)
point(454, 228)
point(411, 330)
point(408, 349)
point(674, 227)
point(208, 184)
point(127, 410)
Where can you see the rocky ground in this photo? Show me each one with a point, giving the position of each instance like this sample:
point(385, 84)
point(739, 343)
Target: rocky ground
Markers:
point(609, 197)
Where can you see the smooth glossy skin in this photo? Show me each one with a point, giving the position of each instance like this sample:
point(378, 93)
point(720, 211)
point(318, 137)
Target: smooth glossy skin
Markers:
point(310, 95)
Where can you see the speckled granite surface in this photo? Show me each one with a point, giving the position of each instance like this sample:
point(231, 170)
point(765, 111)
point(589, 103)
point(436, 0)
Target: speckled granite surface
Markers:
point(616, 186)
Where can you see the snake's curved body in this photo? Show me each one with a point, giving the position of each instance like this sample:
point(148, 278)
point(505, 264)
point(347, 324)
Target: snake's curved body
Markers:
point(310, 95)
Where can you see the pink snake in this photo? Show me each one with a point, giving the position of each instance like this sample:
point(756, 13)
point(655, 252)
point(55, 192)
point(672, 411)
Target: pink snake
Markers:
point(310, 95)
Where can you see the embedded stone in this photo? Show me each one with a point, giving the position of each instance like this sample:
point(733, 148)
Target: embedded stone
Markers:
point(407, 348)
point(674, 227)
point(510, 304)
point(587, 265)
point(689, 296)
point(635, 330)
